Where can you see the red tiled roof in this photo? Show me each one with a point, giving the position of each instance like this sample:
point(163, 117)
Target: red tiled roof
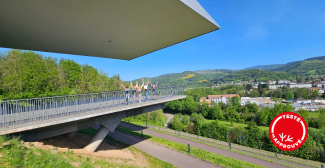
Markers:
point(219, 96)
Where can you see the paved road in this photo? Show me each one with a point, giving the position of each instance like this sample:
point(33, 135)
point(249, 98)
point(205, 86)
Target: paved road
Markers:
point(165, 154)
point(205, 147)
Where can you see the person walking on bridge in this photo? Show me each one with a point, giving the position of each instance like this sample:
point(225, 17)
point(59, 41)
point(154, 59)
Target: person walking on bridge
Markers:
point(139, 89)
point(126, 89)
point(154, 90)
point(145, 86)
point(134, 89)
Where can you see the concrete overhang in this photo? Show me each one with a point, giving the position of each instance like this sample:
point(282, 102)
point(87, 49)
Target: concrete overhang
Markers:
point(120, 29)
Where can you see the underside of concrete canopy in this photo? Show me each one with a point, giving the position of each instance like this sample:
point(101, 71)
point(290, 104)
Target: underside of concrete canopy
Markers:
point(121, 29)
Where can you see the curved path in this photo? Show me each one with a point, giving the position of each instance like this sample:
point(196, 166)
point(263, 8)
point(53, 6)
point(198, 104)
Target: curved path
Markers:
point(165, 154)
point(205, 147)
point(169, 117)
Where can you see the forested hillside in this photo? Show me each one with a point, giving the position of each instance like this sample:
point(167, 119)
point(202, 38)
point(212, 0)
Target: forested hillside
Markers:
point(298, 70)
point(312, 66)
point(266, 67)
point(188, 77)
point(26, 74)
point(209, 78)
point(256, 75)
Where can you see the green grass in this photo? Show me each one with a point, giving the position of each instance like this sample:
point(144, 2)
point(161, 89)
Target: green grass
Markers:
point(196, 152)
point(1, 97)
point(15, 155)
point(138, 122)
point(313, 114)
point(236, 124)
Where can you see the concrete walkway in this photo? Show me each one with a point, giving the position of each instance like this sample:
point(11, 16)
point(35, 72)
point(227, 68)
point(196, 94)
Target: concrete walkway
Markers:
point(165, 154)
point(205, 147)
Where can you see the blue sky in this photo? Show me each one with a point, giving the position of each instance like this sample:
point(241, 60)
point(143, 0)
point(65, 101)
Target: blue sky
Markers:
point(253, 32)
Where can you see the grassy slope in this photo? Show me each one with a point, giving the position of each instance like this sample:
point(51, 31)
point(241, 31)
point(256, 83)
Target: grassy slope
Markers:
point(15, 154)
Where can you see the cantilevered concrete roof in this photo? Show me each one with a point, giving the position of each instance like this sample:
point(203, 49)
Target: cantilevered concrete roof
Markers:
point(121, 29)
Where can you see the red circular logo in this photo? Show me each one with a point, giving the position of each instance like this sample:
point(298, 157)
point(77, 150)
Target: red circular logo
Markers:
point(288, 131)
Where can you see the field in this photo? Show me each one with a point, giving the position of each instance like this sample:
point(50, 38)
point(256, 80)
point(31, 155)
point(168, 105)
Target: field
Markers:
point(313, 114)
point(189, 76)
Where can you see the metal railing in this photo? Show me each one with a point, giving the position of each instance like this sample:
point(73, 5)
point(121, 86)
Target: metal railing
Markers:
point(16, 112)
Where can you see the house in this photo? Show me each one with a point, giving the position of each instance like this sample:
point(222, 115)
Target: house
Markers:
point(301, 100)
point(273, 87)
point(257, 100)
point(221, 98)
point(300, 85)
point(320, 90)
point(296, 107)
point(208, 101)
point(318, 100)
point(320, 85)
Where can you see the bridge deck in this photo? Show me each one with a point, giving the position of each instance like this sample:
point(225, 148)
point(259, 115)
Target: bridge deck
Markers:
point(63, 118)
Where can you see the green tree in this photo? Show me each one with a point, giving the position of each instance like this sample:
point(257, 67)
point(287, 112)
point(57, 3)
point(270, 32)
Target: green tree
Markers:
point(254, 93)
point(72, 72)
point(197, 127)
point(252, 107)
point(304, 114)
point(321, 119)
point(235, 103)
point(264, 116)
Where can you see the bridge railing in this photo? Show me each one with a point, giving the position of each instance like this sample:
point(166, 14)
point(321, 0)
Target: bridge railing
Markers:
point(22, 111)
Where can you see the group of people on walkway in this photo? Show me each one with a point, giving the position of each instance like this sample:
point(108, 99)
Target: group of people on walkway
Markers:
point(137, 89)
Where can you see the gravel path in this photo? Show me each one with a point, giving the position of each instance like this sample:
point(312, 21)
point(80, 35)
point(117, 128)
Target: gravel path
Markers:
point(169, 117)
point(205, 147)
point(165, 154)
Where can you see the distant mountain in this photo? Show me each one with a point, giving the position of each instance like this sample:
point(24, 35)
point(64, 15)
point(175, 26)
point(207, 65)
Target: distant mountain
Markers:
point(311, 66)
point(188, 77)
point(255, 75)
point(266, 67)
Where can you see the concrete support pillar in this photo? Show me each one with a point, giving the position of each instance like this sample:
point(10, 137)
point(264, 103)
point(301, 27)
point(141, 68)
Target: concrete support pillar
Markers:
point(97, 139)
point(71, 134)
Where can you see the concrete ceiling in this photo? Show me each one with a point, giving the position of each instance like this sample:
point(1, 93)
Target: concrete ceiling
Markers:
point(120, 29)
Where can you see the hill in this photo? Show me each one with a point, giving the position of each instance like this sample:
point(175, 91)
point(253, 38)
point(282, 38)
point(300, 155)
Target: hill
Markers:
point(255, 75)
point(266, 67)
point(314, 66)
point(210, 77)
point(189, 77)
point(311, 66)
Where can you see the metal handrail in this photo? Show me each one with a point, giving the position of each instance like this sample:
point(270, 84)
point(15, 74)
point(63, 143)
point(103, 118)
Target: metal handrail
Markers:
point(22, 111)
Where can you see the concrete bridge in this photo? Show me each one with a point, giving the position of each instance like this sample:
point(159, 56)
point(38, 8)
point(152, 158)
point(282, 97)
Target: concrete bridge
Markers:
point(41, 118)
